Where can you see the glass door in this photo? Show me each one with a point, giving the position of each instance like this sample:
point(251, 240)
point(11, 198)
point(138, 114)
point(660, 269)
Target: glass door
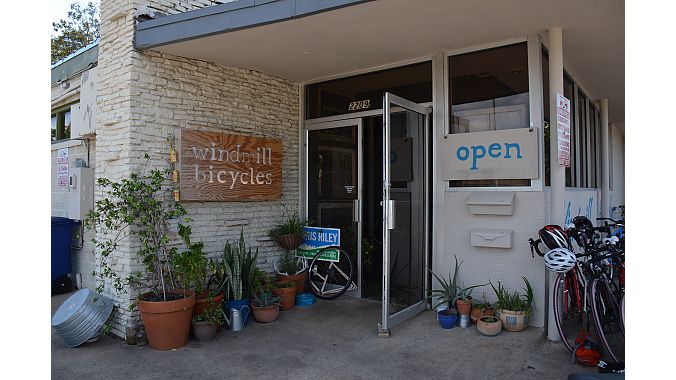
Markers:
point(405, 208)
point(334, 183)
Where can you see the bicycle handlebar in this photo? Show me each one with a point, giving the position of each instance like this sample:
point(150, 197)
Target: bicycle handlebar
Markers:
point(621, 222)
point(534, 247)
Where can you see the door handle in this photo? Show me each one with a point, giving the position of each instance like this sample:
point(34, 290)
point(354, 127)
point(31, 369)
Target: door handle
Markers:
point(355, 210)
point(391, 215)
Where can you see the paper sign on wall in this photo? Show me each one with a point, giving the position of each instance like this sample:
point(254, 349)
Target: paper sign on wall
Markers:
point(62, 167)
point(563, 129)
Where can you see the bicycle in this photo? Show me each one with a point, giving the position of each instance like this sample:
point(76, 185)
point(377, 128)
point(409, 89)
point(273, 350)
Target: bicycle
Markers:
point(585, 299)
point(331, 273)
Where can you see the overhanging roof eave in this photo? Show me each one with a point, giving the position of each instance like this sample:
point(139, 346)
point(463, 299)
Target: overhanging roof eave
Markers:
point(228, 17)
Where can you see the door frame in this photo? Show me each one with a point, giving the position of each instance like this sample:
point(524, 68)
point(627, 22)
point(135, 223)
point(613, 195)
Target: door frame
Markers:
point(390, 100)
point(357, 210)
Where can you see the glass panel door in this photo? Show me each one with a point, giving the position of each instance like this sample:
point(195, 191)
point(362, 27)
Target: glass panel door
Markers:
point(404, 211)
point(334, 179)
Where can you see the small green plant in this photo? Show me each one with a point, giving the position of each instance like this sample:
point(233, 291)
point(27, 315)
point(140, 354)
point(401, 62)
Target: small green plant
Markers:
point(192, 263)
point(292, 226)
point(464, 293)
point(489, 319)
point(514, 301)
point(212, 313)
point(450, 291)
point(289, 264)
point(264, 296)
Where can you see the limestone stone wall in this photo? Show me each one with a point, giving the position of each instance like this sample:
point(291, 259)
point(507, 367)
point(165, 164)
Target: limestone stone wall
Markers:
point(146, 96)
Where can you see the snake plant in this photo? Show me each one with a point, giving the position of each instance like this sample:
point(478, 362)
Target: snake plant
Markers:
point(237, 270)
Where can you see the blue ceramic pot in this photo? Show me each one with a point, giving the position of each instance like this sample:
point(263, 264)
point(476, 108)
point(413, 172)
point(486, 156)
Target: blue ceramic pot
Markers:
point(447, 319)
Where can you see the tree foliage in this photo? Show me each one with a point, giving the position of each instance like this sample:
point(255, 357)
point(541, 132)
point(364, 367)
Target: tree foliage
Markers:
point(78, 30)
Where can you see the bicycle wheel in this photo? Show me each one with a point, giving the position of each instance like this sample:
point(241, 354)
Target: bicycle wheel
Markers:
point(608, 319)
point(567, 314)
point(572, 310)
point(330, 273)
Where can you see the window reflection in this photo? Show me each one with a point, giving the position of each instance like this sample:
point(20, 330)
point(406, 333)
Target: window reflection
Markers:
point(489, 89)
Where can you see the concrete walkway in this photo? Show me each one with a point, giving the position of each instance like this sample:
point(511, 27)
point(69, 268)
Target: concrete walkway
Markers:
point(329, 340)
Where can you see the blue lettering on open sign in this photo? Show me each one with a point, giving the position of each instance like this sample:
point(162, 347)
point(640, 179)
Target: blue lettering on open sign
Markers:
point(495, 150)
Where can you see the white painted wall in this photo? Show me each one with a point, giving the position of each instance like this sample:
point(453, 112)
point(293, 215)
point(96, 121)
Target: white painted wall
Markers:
point(495, 264)
point(82, 260)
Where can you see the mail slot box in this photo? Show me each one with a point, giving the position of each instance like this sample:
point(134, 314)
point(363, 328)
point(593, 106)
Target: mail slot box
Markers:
point(491, 203)
point(491, 238)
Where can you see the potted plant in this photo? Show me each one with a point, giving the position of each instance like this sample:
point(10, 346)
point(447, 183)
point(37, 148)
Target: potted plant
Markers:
point(452, 293)
point(141, 207)
point(489, 325)
point(514, 309)
point(193, 264)
point(289, 233)
point(286, 291)
point(206, 323)
point(265, 304)
point(481, 309)
point(463, 301)
point(236, 273)
point(292, 269)
point(446, 294)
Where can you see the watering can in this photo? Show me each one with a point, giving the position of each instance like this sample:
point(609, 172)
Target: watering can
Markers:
point(236, 317)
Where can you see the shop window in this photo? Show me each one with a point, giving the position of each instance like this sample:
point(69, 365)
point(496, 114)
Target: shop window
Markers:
point(365, 92)
point(584, 170)
point(488, 91)
point(61, 123)
point(568, 90)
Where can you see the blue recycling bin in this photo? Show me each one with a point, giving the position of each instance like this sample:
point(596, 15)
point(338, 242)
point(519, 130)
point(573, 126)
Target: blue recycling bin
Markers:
point(62, 232)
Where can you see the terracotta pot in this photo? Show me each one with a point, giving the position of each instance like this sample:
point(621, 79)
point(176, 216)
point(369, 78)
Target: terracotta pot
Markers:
point(489, 328)
point(204, 331)
point(266, 314)
point(289, 242)
point(167, 324)
point(512, 320)
point(287, 295)
point(299, 279)
point(201, 302)
point(477, 313)
point(463, 306)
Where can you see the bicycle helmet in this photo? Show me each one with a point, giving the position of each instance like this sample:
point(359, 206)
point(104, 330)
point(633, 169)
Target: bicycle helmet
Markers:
point(559, 260)
point(553, 237)
point(583, 224)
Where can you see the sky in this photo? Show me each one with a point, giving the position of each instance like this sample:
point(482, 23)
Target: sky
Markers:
point(60, 8)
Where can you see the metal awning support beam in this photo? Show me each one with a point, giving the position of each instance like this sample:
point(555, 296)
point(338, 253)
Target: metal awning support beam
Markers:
point(228, 17)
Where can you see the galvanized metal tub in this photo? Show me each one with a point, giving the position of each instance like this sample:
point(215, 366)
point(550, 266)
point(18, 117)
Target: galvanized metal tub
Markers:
point(81, 317)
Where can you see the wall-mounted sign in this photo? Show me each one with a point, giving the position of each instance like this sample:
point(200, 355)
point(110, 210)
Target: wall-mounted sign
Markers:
point(62, 167)
point(316, 238)
point(220, 167)
point(503, 154)
point(563, 129)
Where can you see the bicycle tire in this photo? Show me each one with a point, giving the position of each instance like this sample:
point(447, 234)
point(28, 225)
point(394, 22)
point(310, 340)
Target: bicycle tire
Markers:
point(566, 322)
point(338, 276)
point(570, 325)
point(608, 319)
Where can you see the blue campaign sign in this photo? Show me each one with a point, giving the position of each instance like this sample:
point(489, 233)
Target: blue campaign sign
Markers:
point(316, 238)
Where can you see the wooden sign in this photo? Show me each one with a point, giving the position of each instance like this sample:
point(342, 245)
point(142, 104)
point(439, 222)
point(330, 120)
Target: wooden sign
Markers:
point(220, 167)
